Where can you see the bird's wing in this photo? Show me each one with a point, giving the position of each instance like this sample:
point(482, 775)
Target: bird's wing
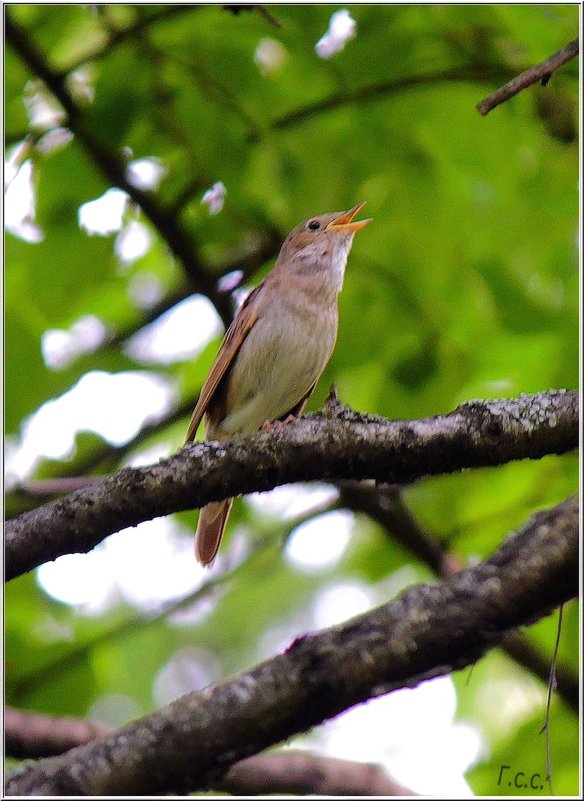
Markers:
point(238, 330)
point(297, 410)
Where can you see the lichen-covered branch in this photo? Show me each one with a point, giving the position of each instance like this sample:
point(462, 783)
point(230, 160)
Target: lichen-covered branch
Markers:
point(385, 505)
point(340, 444)
point(430, 630)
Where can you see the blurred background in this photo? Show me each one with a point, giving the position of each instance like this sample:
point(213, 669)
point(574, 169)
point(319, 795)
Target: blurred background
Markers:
point(141, 206)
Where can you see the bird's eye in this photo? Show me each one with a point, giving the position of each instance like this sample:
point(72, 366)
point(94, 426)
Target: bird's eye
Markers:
point(314, 225)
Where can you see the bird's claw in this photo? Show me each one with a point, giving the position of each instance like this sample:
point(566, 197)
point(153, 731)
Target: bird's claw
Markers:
point(278, 425)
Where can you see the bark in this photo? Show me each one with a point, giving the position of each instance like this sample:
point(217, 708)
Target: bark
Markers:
point(430, 630)
point(340, 444)
point(33, 735)
point(29, 735)
point(386, 506)
point(541, 72)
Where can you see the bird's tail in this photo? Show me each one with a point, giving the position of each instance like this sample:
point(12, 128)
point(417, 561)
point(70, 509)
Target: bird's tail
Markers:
point(212, 522)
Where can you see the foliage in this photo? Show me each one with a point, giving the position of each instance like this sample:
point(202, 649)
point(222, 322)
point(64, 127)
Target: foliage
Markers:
point(465, 286)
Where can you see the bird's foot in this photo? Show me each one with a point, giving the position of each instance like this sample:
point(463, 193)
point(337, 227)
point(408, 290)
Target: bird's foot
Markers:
point(278, 425)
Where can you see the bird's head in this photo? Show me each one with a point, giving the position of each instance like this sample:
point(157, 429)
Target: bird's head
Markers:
point(327, 237)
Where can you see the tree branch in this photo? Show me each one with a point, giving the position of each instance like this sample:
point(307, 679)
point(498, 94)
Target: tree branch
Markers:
point(30, 735)
point(367, 94)
point(300, 773)
point(386, 506)
point(113, 167)
point(341, 444)
point(119, 35)
point(428, 631)
point(541, 72)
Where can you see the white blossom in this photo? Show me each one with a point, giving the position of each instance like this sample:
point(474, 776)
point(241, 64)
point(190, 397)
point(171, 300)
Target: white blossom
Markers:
point(269, 55)
point(214, 198)
point(146, 173)
point(105, 214)
point(342, 27)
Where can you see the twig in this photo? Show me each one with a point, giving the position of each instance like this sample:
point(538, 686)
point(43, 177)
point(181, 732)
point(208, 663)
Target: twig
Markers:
point(343, 445)
point(26, 495)
point(551, 687)
point(541, 72)
point(366, 94)
point(120, 35)
point(47, 487)
point(428, 631)
point(262, 11)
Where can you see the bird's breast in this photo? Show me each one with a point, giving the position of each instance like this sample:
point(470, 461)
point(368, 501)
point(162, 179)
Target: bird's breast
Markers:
point(281, 358)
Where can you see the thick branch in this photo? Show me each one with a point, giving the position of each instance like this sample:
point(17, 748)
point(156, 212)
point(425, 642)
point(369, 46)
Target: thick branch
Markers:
point(30, 735)
point(541, 72)
point(339, 445)
point(386, 506)
point(428, 631)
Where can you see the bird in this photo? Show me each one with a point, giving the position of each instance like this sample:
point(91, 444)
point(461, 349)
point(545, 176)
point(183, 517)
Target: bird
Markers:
point(276, 348)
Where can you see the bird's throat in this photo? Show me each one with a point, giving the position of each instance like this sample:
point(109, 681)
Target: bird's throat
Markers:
point(321, 275)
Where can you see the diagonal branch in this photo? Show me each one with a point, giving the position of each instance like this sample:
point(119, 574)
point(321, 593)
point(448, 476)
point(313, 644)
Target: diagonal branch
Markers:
point(428, 631)
point(119, 35)
point(386, 506)
point(541, 72)
point(340, 444)
point(113, 167)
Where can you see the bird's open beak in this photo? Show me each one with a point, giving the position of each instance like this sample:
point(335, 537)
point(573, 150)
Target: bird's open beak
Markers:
point(344, 222)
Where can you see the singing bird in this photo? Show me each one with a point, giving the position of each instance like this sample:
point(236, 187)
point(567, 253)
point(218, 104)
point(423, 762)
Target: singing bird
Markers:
point(276, 348)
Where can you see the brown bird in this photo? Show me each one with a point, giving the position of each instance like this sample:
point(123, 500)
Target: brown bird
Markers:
point(276, 348)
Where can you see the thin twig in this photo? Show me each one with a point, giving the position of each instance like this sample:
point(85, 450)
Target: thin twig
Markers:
point(541, 72)
point(42, 676)
point(262, 11)
point(551, 687)
point(366, 94)
point(120, 35)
